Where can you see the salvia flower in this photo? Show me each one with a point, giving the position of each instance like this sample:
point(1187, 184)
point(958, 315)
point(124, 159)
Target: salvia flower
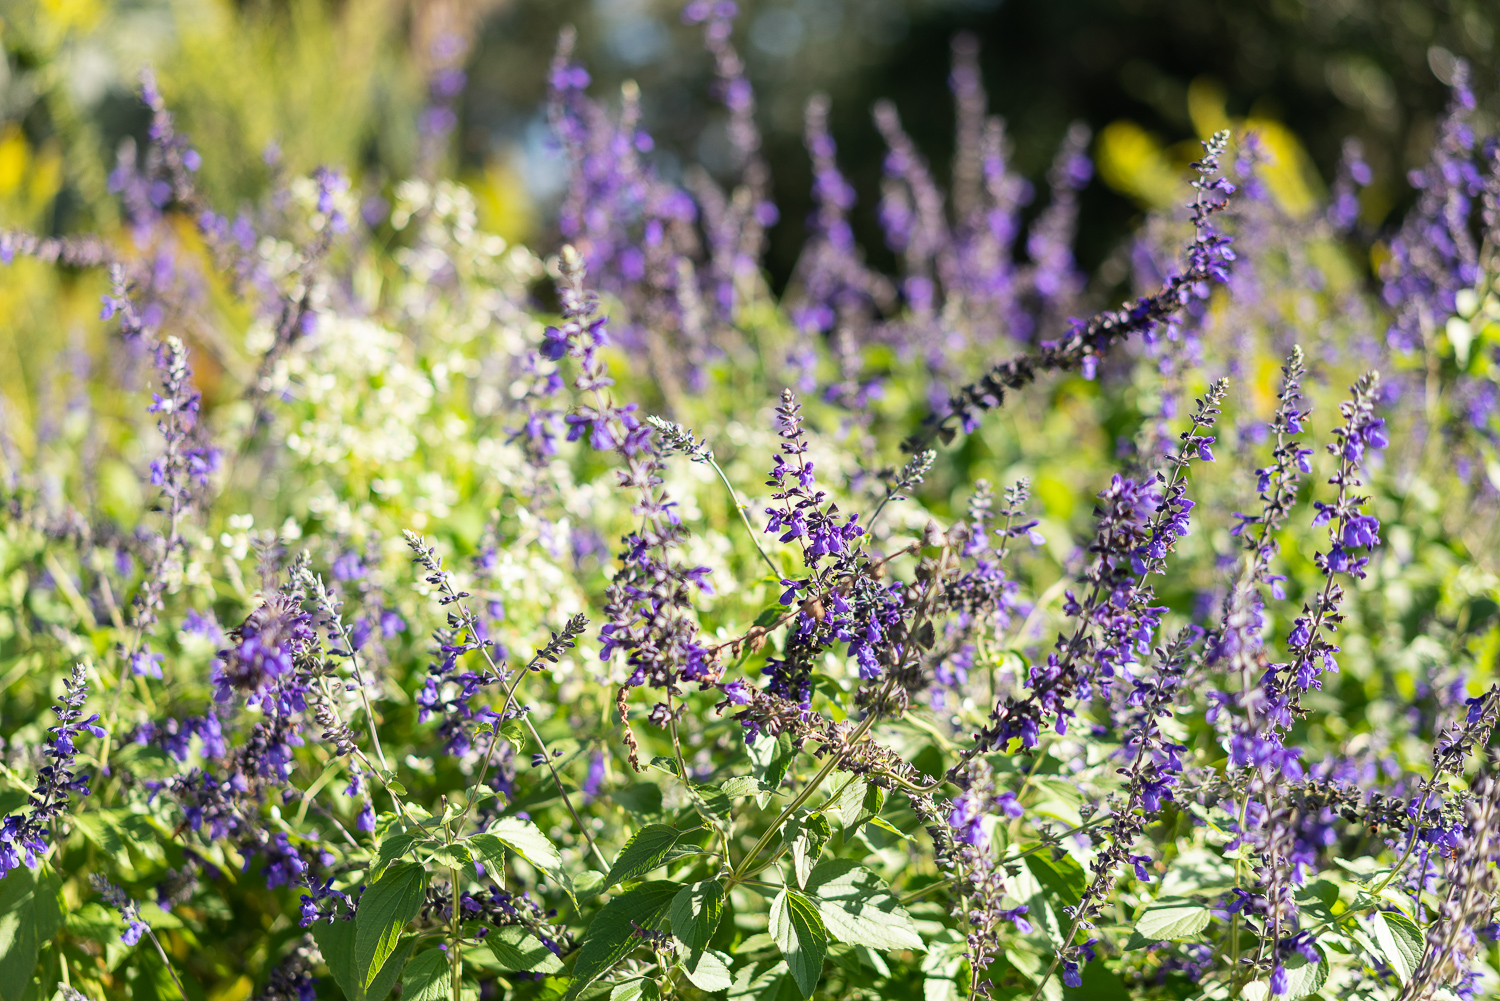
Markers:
point(22, 836)
point(120, 901)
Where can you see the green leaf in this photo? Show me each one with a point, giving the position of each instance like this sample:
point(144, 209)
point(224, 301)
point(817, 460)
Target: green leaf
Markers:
point(518, 950)
point(799, 933)
point(381, 986)
point(873, 803)
point(889, 828)
point(806, 836)
point(454, 856)
point(490, 850)
point(642, 853)
point(1304, 978)
point(695, 913)
point(641, 800)
point(427, 978)
point(857, 907)
point(639, 989)
point(1063, 879)
point(29, 916)
point(940, 989)
point(526, 840)
point(585, 885)
point(849, 808)
point(770, 757)
point(945, 954)
point(392, 847)
point(713, 800)
point(611, 935)
point(336, 943)
point(739, 786)
point(765, 980)
point(709, 971)
point(384, 910)
point(94, 922)
point(1400, 940)
point(105, 836)
point(1169, 919)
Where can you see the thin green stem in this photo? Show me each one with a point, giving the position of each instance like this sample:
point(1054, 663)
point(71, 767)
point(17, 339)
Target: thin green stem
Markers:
point(166, 962)
point(742, 508)
point(567, 801)
point(834, 760)
point(456, 954)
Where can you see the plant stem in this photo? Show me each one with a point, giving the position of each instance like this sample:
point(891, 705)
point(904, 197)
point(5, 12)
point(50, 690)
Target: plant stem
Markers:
point(456, 955)
point(834, 760)
point(567, 802)
point(742, 508)
point(165, 962)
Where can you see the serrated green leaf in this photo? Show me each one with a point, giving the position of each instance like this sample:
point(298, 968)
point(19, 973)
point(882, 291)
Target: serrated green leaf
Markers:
point(849, 807)
point(518, 950)
point(696, 911)
point(1169, 919)
point(800, 935)
point(708, 970)
point(427, 978)
point(739, 786)
point(336, 943)
point(489, 851)
point(384, 910)
point(611, 937)
point(380, 987)
point(857, 907)
point(805, 837)
point(1304, 978)
point(29, 916)
point(392, 847)
point(454, 856)
point(713, 800)
point(1400, 940)
point(639, 989)
point(643, 852)
point(526, 840)
point(764, 980)
point(770, 757)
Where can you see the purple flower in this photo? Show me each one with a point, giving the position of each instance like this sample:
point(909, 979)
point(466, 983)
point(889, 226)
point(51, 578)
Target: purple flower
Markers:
point(261, 663)
point(21, 836)
point(116, 898)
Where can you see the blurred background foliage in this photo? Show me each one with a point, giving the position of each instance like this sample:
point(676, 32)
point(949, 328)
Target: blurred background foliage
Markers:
point(343, 83)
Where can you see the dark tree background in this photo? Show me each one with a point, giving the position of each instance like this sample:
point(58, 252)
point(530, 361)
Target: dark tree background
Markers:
point(1326, 68)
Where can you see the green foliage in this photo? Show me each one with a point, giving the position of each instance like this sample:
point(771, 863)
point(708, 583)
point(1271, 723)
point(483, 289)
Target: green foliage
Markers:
point(799, 933)
point(645, 850)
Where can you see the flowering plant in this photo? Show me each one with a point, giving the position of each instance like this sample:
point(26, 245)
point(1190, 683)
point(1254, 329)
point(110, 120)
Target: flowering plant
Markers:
point(414, 636)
